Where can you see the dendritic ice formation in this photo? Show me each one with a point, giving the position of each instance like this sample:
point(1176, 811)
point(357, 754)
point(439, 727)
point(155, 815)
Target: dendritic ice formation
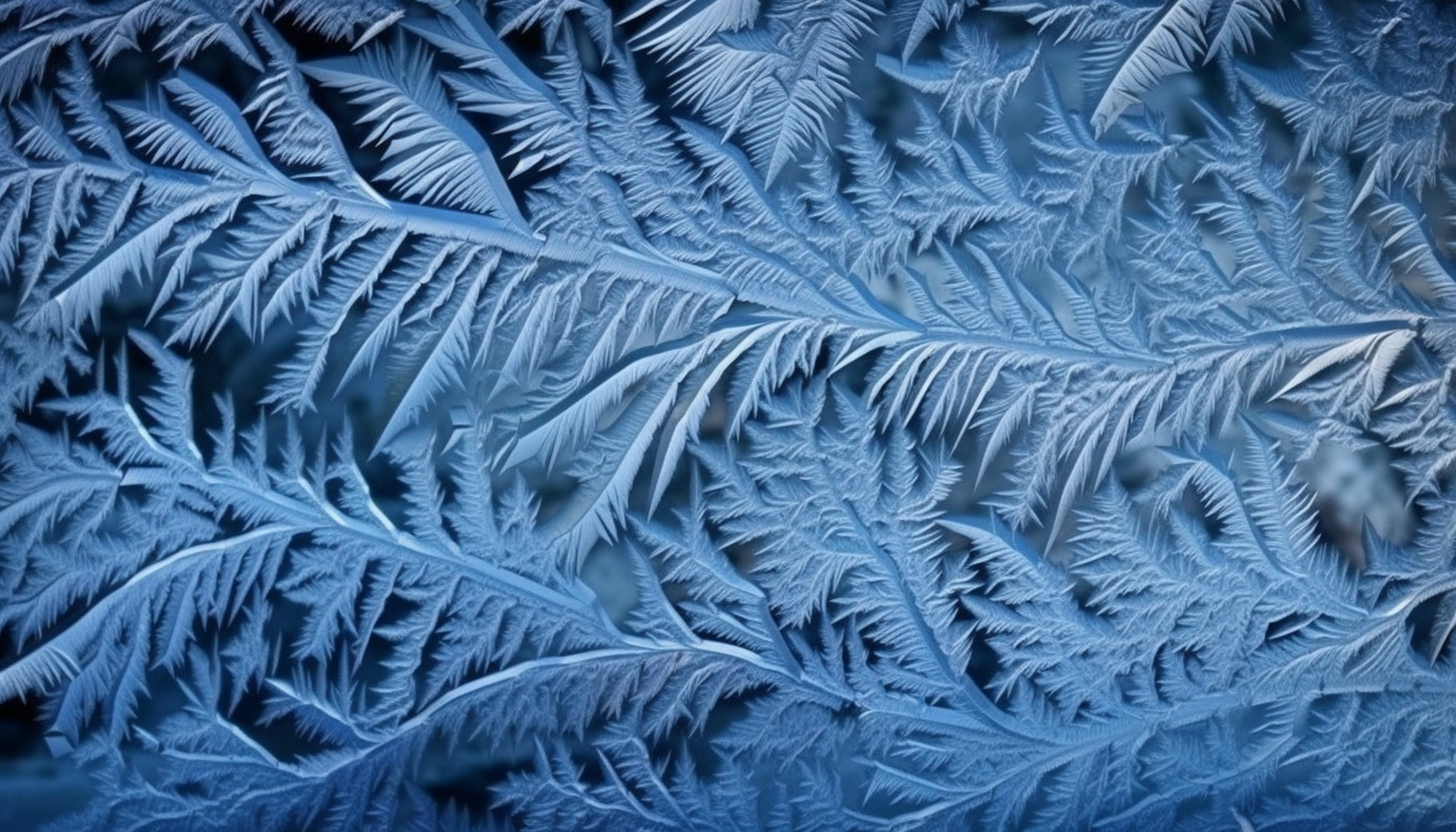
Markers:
point(727, 415)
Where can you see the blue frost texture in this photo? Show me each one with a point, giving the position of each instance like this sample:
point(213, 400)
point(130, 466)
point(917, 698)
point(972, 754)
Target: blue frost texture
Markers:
point(727, 415)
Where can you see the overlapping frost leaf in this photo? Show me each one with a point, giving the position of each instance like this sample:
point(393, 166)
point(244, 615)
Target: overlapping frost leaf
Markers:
point(731, 415)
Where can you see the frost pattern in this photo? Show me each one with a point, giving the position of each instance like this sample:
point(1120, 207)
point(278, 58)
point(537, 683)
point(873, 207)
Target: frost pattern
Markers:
point(729, 414)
